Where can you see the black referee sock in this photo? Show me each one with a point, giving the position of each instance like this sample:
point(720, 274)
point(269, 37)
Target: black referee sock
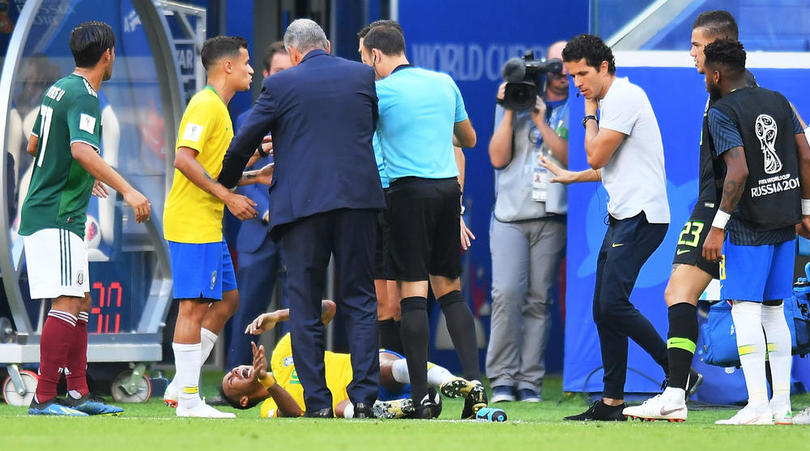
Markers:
point(389, 335)
point(461, 325)
point(683, 332)
point(415, 332)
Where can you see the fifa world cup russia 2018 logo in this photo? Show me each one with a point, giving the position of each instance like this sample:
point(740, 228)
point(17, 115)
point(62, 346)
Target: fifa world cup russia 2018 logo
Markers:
point(766, 130)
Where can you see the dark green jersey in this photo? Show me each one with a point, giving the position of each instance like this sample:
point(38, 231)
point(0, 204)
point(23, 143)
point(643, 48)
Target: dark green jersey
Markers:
point(60, 187)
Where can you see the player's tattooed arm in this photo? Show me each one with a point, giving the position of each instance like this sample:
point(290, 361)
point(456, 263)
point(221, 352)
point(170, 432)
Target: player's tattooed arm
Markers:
point(736, 175)
point(733, 186)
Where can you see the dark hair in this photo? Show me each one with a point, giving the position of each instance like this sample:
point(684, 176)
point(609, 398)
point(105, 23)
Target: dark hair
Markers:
point(362, 33)
point(728, 53)
point(385, 38)
point(235, 402)
point(592, 48)
point(89, 41)
point(272, 49)
point(219, 46)
point(719, 24)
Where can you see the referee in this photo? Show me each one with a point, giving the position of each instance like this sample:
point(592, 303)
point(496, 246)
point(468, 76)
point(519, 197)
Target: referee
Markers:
point(422, 116)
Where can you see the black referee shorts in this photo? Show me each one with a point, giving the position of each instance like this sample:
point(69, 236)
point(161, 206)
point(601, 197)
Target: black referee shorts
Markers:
point(690, 241)
point(423, 217)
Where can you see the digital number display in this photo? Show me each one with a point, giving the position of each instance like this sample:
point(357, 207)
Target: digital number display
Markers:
point(105, 316)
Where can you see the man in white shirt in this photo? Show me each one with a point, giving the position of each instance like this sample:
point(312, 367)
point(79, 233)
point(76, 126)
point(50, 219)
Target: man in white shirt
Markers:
point(625, 152)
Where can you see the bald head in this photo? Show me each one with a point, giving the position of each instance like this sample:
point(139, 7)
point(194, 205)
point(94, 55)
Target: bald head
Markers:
point(555, 50)
point(556, 84)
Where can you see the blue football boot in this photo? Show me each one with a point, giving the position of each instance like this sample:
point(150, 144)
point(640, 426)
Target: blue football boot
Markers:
point(52, 407)
point(91, 405)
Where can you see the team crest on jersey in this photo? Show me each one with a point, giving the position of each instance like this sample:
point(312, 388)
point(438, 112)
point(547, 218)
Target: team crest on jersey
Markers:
point(213, 279)
point(288, 361)
point(87, 123)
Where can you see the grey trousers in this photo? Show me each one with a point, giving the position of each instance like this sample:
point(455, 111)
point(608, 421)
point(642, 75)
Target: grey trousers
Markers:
point(525, 259)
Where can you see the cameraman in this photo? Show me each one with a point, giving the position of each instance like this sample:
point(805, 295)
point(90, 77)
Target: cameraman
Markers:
point(527, 236)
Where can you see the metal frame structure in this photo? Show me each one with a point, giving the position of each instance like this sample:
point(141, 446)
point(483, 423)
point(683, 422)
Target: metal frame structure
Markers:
point(143, 345)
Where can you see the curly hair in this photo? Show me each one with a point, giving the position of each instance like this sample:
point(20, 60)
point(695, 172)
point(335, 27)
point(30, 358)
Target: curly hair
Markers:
point(718, 23)
point(592, 48)
point(728, 53)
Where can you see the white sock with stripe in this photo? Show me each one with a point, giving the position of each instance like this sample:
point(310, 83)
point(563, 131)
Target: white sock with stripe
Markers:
point(187, 377)
point(779, 354)
point(747, 318)
point(207, 341)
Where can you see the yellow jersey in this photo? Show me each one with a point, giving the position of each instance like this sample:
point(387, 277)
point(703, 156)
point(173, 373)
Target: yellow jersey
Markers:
point(191, 215)
point(338, 376)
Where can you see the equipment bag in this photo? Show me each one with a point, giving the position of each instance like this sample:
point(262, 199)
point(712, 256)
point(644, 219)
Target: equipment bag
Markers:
point(720, 341)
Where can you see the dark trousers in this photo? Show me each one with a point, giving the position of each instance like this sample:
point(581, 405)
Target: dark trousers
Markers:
point(256, 278)
point(349, 235)
point(627, 245)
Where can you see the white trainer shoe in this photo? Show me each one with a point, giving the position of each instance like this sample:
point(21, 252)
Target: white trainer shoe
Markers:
point(802, 417)
point(750, 415)
point(202, 410)
point(658, 408)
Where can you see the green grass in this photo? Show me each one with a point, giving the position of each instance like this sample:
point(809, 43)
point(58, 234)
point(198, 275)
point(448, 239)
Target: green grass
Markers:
point(153, 426)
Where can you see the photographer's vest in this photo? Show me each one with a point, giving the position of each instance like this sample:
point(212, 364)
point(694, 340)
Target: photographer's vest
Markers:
point(772, 195)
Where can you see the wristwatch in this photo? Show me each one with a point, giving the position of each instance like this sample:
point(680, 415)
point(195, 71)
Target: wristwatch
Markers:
point(587, 118)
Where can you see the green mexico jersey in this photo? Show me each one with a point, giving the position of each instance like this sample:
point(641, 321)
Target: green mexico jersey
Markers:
point(60, 187)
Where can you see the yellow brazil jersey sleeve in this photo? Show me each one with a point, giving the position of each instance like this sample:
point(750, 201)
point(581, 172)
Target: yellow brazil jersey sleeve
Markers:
point(191, 215)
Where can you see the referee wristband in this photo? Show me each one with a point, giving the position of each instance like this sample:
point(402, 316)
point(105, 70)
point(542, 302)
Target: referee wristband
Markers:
point(720, 219)
point(805, 207)
point(268, 380)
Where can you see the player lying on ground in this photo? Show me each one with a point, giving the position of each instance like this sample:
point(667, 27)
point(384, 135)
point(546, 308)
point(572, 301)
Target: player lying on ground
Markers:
point(283, 396)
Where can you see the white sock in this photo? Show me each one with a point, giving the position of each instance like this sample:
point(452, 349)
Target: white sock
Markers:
point(779, 353)
point(747, 318)
point(437, 375)
point(207, 340)
point(675, 395)
point(348, 412)
point(399, 369)
point(187, 362)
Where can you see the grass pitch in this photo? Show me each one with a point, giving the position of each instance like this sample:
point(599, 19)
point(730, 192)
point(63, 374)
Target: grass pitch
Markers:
point(153, 426)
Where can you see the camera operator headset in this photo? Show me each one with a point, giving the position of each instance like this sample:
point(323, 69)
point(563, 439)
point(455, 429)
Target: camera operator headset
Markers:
point(527, 234)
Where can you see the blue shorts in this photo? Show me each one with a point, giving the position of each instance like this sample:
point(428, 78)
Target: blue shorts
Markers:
point(387, 395)
point(758, 273)
point(201, 270)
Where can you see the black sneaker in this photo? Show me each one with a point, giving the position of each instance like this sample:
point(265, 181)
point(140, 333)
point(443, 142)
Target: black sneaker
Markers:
point(475, 400)
point(600, 411)
point(427, 409)
point(694, 381)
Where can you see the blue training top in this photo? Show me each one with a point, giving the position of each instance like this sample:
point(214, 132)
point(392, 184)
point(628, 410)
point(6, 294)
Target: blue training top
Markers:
point(418, 110)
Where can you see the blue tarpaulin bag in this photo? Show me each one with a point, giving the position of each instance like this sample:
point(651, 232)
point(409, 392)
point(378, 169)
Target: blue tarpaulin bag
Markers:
point(720, 341)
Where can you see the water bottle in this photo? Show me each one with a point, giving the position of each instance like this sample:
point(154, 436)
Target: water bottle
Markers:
point(491, 414)
point(540, 181)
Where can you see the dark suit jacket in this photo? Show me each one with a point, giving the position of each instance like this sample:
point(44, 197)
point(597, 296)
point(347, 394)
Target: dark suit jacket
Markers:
point(322, 114)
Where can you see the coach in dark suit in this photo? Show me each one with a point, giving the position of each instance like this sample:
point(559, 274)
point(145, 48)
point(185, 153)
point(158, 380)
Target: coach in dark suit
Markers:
point(324, 199)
